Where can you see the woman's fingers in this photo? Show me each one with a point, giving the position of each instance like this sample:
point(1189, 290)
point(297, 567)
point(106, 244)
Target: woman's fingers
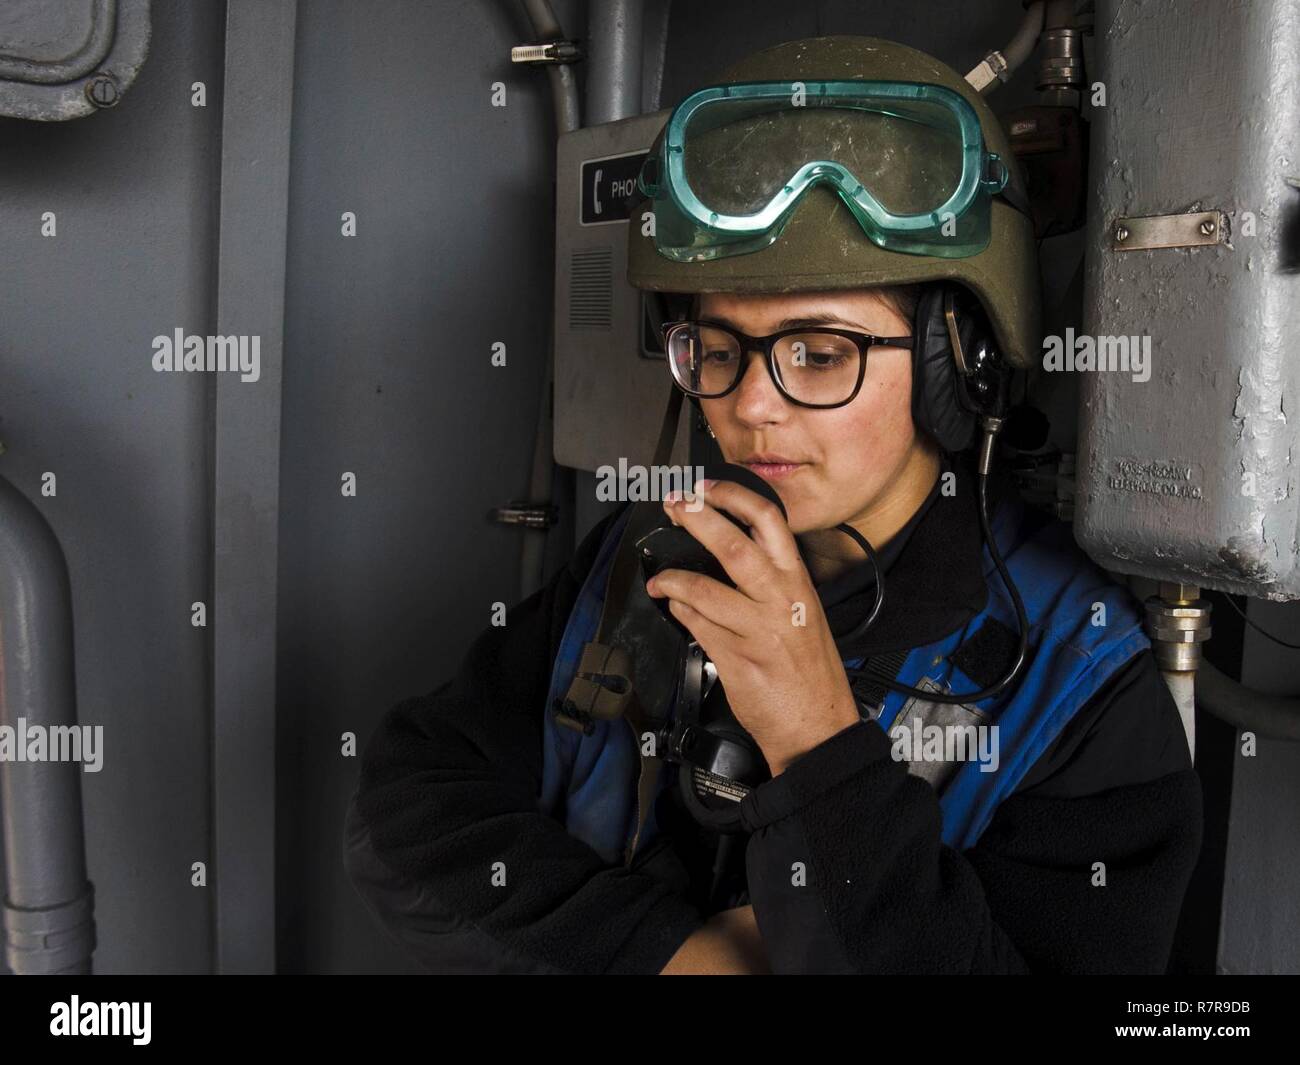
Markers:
point(744, 561)
point(725, 610)
point(747, 558)
point(768, 526)
point(711, 637)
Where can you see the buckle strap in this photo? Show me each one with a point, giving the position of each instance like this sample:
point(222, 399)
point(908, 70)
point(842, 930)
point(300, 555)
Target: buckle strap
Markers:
point(870, 690)
point(601, 688)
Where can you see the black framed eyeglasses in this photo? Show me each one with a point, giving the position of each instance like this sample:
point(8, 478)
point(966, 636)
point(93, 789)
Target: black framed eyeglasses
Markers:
point(811, 366)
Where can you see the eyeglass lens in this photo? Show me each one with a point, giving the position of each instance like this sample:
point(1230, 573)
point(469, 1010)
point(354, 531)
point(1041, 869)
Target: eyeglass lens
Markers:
point(814, 366)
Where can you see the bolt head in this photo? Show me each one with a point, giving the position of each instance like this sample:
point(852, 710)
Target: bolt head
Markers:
point(1207, 228)
point(101, 91)
point(1121, 233)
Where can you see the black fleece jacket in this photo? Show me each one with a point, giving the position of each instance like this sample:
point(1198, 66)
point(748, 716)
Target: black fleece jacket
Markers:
point(445, 843)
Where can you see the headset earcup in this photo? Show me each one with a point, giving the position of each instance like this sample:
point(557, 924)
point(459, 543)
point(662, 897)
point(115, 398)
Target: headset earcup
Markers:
point(936, 406)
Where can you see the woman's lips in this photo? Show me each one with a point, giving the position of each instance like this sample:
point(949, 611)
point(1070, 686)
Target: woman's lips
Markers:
point(772, 471)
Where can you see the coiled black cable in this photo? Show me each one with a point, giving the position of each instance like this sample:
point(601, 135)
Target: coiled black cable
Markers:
point(1021, 617)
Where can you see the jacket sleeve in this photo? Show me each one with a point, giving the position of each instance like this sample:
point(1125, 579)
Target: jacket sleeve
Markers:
point(445, 842)
point(848, 872)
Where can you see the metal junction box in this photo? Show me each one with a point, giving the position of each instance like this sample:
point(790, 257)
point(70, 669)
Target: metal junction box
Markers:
point(611, 382)
point(1194, 251)
point(62, 59)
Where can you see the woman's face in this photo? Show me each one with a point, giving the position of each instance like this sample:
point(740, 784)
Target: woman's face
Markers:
point(852, 462)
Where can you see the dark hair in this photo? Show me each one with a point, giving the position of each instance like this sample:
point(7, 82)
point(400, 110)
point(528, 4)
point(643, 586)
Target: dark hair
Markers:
point(903, 299)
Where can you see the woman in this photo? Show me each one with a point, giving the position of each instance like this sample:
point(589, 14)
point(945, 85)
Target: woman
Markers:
point(835, 349)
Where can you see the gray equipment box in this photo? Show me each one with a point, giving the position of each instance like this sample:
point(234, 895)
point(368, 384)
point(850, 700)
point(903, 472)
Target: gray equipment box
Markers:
point(63, 60)
point(611, 382)
point(1194, 243)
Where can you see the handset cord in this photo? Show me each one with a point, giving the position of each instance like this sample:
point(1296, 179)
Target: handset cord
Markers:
point(1021, 617)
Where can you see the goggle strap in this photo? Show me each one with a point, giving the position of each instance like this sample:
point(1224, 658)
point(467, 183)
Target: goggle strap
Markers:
point(996, 174)
point(1014, 199)
point(648, 177)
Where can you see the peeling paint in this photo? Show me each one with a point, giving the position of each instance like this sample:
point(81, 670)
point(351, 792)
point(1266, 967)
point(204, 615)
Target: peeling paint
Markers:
point(1203, 108)
point(1245, 563)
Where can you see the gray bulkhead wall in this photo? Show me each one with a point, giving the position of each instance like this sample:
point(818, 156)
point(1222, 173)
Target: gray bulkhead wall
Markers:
point(135, 199)
point(386, 374)
point(389, 375)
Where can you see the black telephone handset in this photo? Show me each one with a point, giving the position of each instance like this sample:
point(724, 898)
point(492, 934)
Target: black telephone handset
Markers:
point(717, 761)
point(672, 547)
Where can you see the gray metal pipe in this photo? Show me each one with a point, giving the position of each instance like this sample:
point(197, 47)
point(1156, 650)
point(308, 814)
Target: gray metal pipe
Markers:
point(998, 66)
point(615, 30)
point(1276, 716)
point(1182, 686)
point(49, 903)
point(615, 48)
point(564, 86)
point(655, 54)
point(1022, 44)
point(541, 476)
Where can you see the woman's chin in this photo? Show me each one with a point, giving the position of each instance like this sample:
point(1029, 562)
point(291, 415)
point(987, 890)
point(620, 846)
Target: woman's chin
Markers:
point(800, 519)
point(802, 512)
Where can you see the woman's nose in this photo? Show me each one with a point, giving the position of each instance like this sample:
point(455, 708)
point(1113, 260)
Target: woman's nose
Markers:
point(757, 398)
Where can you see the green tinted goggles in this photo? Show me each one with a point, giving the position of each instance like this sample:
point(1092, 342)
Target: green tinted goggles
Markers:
point(908, 159)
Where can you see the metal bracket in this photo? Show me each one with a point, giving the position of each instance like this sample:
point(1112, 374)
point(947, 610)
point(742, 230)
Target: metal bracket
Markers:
point(529, 515)
point(548, 53)
point(1191, 230)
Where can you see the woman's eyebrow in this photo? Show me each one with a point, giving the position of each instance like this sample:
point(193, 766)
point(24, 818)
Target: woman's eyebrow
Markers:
point(816, 318)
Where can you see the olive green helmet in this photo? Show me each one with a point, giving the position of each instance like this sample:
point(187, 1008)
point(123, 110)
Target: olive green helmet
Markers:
point(823, 246)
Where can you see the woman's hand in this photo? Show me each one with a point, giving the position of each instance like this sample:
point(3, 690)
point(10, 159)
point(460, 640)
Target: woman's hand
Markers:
point(768, 636)
point(727, 945)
